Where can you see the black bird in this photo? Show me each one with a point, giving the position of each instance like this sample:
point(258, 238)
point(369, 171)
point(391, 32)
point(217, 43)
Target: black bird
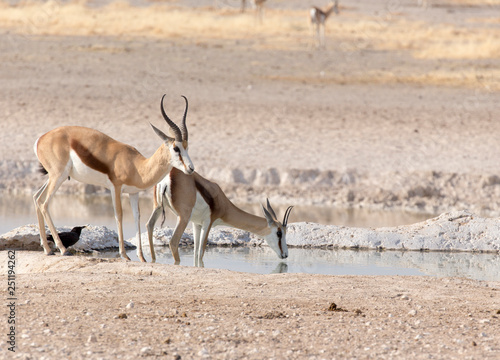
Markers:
point(69, 238)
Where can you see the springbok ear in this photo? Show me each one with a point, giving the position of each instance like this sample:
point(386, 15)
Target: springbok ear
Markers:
point(271, 211)
point(161, 134)
point(268, 216)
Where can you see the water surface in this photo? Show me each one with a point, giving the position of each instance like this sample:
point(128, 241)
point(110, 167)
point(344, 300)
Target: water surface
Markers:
point(72, 210)
point(263, 260)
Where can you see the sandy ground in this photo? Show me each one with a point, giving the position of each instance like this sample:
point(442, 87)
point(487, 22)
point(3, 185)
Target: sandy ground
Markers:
point(78, 308)
point(399, 111)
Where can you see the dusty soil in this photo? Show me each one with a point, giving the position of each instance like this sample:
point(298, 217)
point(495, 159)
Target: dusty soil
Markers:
point(78, 308)
point(399, 111)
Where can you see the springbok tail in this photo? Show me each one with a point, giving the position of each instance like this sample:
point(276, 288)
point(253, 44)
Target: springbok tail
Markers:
point(42, 170)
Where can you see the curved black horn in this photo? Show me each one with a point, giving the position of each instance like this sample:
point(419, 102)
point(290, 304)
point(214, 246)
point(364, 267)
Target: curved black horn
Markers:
point(287, 214)
point(175, 128)
point(184, 130)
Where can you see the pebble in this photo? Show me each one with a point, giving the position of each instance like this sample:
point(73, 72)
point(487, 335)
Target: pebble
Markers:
point(203, 352)
point(130, 305)
point(92, 339)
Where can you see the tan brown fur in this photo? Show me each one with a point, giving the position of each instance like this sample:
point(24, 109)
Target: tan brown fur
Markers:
point(122, 164)
point(319, 19)
point(183, 191)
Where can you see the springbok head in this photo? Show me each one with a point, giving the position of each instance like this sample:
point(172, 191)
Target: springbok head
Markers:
point(178, 145)
point(276, 239)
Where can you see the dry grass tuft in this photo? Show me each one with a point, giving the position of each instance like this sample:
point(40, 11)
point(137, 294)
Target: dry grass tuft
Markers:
point(281, 30)
point(485, 80)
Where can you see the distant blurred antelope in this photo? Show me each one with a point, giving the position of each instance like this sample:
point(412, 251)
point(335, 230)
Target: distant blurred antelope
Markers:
point(258, 5)
point(318, 18)
point(423, 3)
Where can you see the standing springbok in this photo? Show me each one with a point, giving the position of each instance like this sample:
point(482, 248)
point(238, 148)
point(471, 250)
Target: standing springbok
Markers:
point(318, 19)
point(92, 157)
point(259, 7)
point(194, 198)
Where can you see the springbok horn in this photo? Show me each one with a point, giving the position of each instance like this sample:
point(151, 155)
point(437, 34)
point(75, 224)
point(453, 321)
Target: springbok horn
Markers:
point(271, 211)
point(184, 130)
point(175, 128)
point(287, 214)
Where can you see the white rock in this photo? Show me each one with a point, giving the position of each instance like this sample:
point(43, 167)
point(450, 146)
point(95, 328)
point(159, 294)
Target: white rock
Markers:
point(92, 238)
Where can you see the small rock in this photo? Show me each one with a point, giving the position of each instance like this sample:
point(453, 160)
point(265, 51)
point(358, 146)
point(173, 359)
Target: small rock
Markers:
point(92, 339)
point(203, 352)
point(130, 305)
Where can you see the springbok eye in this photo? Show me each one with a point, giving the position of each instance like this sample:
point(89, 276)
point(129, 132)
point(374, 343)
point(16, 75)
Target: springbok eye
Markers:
point(176, 149)
point(279, 233)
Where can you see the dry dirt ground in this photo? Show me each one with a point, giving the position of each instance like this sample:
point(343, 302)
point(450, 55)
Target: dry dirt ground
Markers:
point(86, 308)
point(398, 111)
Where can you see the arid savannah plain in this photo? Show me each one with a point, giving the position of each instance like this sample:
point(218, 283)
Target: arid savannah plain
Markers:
point(399, 111)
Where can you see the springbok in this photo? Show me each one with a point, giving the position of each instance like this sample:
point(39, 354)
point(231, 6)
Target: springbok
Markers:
point(259, 7)
point(318, 19)
point(194, 198)
point(92, 157)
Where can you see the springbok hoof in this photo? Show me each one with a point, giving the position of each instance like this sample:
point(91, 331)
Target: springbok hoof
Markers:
point(49, 253)
point(67, 253)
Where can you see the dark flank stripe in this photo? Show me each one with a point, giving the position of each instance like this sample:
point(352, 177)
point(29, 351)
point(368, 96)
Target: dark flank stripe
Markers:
point(88, 158)
point(173, 184)
point(206, 195)
point(279, 243)
point(42, 170)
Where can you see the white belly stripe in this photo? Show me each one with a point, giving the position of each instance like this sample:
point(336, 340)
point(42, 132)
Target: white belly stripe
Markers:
point(81, 172)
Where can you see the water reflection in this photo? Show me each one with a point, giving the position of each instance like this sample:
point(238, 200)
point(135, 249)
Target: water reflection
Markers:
point(73, 210)
point(263, 260)
point(281, 268)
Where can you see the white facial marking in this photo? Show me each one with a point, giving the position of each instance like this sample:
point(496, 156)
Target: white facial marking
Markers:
point(274, 241)
point(180, 158)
